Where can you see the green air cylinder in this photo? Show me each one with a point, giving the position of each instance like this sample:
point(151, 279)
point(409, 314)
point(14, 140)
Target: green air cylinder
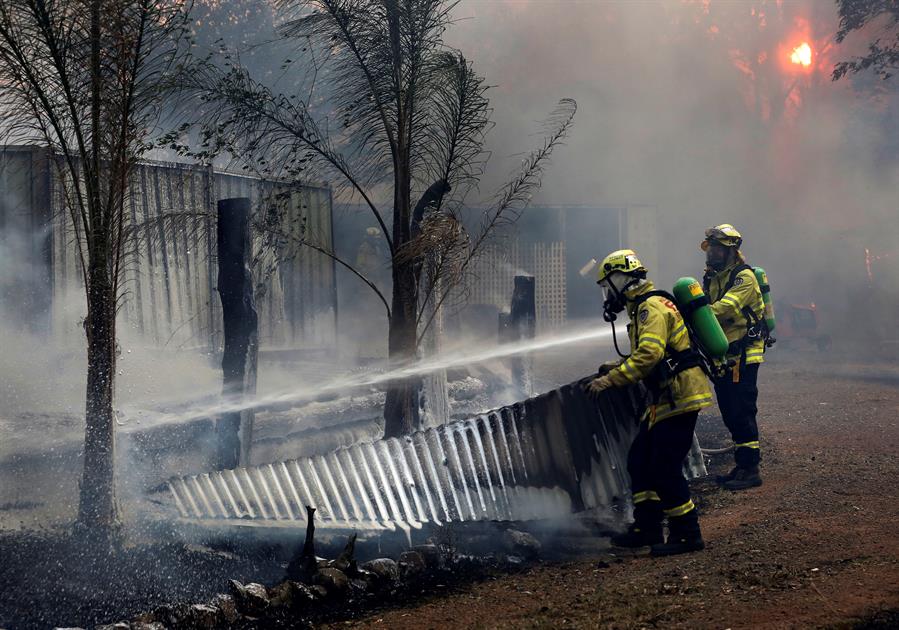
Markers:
point(694, 306)
point(762, 277)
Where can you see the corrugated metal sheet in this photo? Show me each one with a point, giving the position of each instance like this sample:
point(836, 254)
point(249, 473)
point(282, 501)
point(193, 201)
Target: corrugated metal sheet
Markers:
point(546, 457)
point(25, 285)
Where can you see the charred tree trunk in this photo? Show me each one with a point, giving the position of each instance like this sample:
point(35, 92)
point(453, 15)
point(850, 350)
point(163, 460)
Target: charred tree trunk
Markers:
point(98, 516)
point(304, 563)
point(98, 513)
point(401, 408)
point(523, 320)
point(240, 324)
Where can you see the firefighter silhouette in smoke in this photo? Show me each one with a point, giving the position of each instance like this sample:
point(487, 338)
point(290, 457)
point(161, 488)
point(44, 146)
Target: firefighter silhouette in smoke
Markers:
point(663, 358)
point(736, 298)
point(362, 312)
point(371, 257)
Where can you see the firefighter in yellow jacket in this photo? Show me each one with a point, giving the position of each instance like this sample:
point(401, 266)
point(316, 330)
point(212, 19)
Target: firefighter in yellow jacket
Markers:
point(663, 358)
point(736, 300)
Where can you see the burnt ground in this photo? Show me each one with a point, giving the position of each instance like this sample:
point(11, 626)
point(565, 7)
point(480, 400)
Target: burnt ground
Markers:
point(816, 546)
point(49, 581)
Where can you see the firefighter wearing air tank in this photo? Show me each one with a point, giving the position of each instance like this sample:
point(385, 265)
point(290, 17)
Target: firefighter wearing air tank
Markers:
point(735, 291)
point(663, 358)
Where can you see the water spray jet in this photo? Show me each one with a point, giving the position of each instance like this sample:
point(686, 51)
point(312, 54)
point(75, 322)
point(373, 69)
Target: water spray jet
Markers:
point(422, 367)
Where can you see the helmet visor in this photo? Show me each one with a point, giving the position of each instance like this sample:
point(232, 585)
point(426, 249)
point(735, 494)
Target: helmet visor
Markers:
point(617, 281)
point(716, 236)
point(606, 291)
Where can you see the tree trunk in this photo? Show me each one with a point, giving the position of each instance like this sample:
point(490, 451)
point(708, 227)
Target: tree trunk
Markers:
point(401, 411)
point(523, 320)
point(304, 565)
point(98, 513)
point(240, 323)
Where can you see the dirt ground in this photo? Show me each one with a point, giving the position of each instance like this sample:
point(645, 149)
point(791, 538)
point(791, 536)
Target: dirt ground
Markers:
point(815, 546)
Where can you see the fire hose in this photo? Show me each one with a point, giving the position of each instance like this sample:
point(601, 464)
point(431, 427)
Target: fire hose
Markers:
point(717, 451)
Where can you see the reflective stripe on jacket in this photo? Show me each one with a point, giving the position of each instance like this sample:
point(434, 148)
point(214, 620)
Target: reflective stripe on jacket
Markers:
point(660, 326)
point(728, 308)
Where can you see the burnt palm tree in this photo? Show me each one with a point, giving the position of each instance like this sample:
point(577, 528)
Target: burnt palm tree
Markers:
point(397, 118)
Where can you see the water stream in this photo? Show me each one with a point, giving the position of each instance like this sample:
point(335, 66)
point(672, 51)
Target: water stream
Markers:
point(422, 367)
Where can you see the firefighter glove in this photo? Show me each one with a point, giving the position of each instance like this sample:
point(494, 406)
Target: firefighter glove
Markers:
point(607, 367)
point(600, 384)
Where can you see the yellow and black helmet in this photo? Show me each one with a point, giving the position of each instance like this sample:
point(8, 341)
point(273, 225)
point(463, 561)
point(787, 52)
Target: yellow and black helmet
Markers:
point(623, 260)
point(724, 234)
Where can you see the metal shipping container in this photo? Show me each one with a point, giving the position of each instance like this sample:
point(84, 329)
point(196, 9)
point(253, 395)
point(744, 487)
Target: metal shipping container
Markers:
point(169, 297)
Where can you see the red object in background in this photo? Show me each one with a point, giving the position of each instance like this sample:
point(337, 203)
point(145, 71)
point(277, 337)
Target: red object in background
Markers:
point(797, 324)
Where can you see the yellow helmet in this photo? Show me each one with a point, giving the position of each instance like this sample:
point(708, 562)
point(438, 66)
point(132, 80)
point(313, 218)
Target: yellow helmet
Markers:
point(724, 234)
point(623, 260)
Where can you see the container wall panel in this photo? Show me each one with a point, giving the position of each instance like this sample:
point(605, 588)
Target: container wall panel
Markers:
point(169, 297)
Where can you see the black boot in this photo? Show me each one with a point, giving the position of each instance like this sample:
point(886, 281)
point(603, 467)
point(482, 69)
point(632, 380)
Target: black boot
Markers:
point(744, 478)
point(646, 530)
point(684, 536)
point(725, 478)
point(637, 536)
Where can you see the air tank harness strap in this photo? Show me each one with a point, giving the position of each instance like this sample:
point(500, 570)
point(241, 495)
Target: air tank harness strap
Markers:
point(691, 307)
point(657, 293)
point(755, 327)
point(707, 280)
point(769, 339)
point(673, 363)
point(732, 280)
point(662, 376)
point(705, 363)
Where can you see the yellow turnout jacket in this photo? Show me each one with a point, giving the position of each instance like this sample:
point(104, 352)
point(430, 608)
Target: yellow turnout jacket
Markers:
point(728, 308)
point(656, 327)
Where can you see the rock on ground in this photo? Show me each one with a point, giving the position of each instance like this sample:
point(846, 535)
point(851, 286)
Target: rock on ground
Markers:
point(385, 569)
point(521, 544)
point(334, 580)
point(411, 564)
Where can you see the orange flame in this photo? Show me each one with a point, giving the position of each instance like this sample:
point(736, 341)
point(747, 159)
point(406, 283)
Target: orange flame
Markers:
point(802, 55)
